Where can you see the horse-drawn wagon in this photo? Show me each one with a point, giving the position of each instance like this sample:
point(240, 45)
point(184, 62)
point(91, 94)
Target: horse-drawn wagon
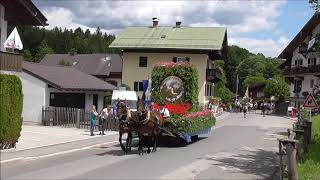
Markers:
point(175, 86)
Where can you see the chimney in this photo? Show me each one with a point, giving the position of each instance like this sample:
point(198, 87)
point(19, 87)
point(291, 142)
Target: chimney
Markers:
point(155, 22)
point(178, 24)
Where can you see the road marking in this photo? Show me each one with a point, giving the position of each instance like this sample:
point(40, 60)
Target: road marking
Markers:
point(190, 171)
point(10, 160)
point(58, 153)
point(30, 139)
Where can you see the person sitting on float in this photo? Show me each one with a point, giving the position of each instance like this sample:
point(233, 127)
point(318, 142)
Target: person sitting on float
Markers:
point(164, 111)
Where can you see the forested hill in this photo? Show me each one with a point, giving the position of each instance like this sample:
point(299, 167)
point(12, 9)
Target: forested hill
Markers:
point(39, 41)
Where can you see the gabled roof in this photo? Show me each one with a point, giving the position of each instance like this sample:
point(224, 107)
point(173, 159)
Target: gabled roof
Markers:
point(66, 78)
point(94, 64)
point(189, 38)
point(300, 37)
point(23, 12)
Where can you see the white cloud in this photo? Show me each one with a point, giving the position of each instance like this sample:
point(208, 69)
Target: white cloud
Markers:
point(268, 47)
point(64, 18)
point(240, 17)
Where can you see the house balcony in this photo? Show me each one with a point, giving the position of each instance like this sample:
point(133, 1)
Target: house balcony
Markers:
point(10, 61)
point(302, 70)
point(213, 75)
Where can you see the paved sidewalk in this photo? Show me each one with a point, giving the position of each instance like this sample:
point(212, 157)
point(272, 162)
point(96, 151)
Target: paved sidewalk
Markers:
point(34, 136)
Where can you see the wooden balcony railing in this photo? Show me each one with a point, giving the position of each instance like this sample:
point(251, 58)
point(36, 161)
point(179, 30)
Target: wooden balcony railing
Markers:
point(10, 61)
point(302, 70)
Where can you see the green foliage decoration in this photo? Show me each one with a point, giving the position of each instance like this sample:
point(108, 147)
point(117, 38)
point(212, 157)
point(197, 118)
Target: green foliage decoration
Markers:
point(11, 103)
point(186, 72)
point(186, 125)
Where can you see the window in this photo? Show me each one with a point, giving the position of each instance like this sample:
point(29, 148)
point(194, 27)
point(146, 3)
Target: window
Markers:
point(180, 59)
point(143, 61)
point(312, 61)
point(297, 85)
point(209, 90)
point(311, 83)
point(298, 62)
point(138, 86)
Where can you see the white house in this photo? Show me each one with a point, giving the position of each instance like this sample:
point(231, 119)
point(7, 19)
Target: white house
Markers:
point(58, 86)
point(302, 65)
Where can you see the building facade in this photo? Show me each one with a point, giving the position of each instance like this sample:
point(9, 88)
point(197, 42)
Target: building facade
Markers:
point(144, 47)
point(302, 65)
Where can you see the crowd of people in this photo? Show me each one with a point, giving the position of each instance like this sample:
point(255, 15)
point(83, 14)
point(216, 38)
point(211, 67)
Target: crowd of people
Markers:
point(245, 106)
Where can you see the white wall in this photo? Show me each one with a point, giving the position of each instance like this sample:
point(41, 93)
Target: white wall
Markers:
point(3, 28)
point(34, 97)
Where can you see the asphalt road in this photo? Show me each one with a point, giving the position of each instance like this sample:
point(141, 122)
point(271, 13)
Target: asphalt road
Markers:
point(238, 148)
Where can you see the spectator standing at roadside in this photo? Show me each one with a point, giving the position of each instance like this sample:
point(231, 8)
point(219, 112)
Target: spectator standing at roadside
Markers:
point(93, 119)
point(103, 120)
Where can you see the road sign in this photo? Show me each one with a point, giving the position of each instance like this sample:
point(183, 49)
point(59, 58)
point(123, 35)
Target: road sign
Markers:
point(310, 102)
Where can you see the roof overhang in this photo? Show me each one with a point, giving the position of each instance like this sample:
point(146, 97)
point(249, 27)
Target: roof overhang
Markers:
point(304, 32)
point(23, 12)
point(58, 87)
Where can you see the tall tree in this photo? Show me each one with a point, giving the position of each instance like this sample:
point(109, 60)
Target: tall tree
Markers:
point(315, 4)
point(37, 41)
point(234, 57)
point(42, 51)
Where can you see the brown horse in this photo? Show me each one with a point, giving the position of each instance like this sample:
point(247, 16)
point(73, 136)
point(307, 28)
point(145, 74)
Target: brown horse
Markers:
point(149, 128)
point(126, 125)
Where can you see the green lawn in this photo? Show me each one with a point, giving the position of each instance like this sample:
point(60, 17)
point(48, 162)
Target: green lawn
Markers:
point(309, 168)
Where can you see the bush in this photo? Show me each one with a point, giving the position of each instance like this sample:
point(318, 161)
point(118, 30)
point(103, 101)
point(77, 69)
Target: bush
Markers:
point(126, 86)
point(11, 103)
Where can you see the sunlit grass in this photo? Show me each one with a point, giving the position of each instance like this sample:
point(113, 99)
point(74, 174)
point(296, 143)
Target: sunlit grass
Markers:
point(309, 168)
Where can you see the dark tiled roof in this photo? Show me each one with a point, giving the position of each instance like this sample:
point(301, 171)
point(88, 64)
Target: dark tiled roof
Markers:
point(94, 64)
point(67, 78)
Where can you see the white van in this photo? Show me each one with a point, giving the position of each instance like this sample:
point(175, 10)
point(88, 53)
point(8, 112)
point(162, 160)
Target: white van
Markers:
point(130, 97)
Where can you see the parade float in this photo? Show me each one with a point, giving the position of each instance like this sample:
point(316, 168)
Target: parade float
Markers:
point(175, 86)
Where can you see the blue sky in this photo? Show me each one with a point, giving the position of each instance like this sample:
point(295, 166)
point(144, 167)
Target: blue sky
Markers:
point(260, 26)
point(294, 16)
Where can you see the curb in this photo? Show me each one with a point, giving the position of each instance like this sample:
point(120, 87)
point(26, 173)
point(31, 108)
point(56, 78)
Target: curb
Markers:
point(57, 153)
point(13, 150)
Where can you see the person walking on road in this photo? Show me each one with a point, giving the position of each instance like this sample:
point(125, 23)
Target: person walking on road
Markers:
point(93, 119)
point(245, 110)
point(263, 108)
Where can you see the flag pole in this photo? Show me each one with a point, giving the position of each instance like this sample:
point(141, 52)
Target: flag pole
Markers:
point(237, 84)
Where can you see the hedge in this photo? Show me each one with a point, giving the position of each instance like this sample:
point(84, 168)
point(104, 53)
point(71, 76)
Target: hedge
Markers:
point(11, 102)
point(186, 72)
